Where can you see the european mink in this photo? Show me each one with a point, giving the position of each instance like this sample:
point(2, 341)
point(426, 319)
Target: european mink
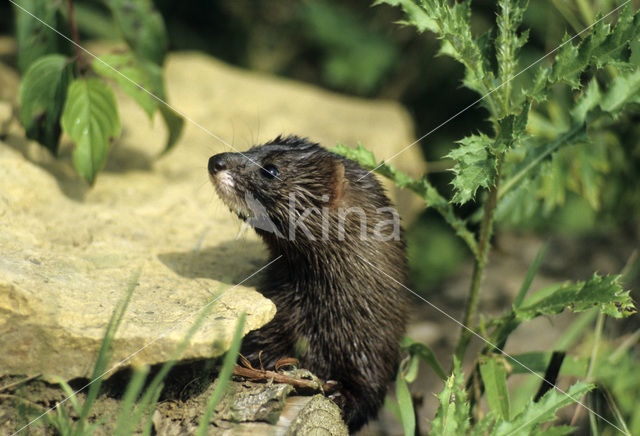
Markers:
point(322, 214)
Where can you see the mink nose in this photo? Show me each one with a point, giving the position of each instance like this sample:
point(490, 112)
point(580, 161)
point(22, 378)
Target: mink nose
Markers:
point(217, 163)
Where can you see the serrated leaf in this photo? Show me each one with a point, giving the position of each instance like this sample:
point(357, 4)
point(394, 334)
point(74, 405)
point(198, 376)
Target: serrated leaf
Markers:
point(494, 377)
point(142, 27)
point(451, 25)
point(90, 118)
point(359, 154)
point(589, 100)
point(416, 16)
point(507, 45)
point(536, 413)
point(130, 76)
point(603, 46)
point(512, 129)
point(604, 293)
point(475, 167)
point(34, 38)
point(452, 416)
point(42, 94)
point(624, 89)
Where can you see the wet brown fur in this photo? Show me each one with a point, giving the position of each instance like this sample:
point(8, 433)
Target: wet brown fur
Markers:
point(339, 316)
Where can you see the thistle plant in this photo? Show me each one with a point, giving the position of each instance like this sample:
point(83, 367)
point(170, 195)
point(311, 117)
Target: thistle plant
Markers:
point(512, 170)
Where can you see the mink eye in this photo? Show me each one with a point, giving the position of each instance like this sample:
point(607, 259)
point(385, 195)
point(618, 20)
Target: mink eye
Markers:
point(270, 171)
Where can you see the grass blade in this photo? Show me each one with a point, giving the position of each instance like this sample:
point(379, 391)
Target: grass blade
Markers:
point(124, 423)
point(407, 414)
point(531, 273)
point(224, 377)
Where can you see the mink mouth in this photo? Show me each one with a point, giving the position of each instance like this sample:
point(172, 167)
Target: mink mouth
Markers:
point(227, 191)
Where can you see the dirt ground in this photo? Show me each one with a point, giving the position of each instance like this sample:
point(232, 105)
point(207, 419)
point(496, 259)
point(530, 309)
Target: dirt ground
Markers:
point(567, 258)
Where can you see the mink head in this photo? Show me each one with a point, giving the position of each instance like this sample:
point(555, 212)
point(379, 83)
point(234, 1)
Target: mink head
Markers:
point(291, 180)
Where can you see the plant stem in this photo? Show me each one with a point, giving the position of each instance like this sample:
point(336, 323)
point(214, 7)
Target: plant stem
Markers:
point(74, 30)
point(478, 268)
point(592, 361)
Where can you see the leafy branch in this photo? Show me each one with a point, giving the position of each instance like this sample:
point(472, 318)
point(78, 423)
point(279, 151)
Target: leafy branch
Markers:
point(60, 93)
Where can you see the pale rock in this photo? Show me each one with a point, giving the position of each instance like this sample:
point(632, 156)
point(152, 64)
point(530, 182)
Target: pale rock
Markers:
point(68, 252)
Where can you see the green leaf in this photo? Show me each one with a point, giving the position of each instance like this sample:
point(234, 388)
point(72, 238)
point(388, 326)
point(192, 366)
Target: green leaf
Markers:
point(425, 353)
point(149, 76)
point(536, 413)
point(416, 16)
point(405, 405)
point(475, 167)
point(507, 45)
point(512, 129)
point(603, 46)
point(604, 293)
point(360, 154)
point(42, 95)
point(494, 377)
point(589, 100)
point(90, 118)
point(452, 416)
point(130, 76)
point(34, 38)
point(142, 28)
point(624, 89)
point(451, 25)
point(69, 392)
point(174, 123)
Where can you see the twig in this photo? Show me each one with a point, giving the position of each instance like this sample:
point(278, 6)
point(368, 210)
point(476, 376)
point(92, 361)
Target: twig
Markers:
point(74, 31)
point(265, 375)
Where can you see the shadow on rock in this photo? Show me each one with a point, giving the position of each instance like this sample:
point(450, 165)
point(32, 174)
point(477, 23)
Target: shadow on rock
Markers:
point(59, 167)
point(230, 262)
point(122, 159)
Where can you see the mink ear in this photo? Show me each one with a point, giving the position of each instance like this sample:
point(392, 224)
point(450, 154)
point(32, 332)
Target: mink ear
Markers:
point(339, 184)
